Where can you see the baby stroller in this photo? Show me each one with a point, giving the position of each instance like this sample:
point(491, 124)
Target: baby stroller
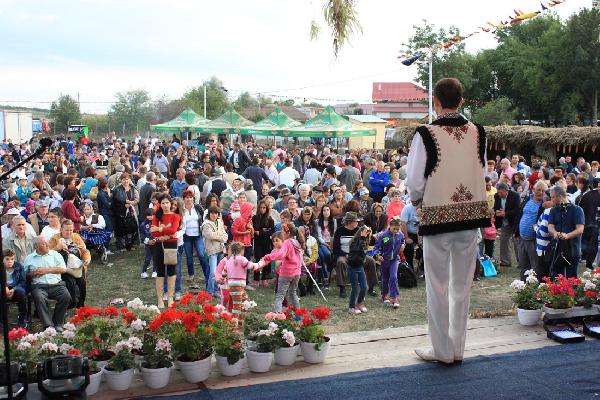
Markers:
point(98, 240)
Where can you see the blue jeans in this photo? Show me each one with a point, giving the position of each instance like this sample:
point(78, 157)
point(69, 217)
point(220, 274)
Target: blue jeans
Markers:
point(189, 243)
point(148, 258)
point(211, 283)
point(178, 272)
point(357, 276)
point(324, 261)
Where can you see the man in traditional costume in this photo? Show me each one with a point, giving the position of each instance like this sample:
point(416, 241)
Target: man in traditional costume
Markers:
point(445, 175)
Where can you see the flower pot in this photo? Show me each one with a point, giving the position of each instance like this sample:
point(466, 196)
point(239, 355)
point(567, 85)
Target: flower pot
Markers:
point(227, 369)
point(259, 362)
point(555, 311)
point(101, 365)
point(156, 378)
point(286, 355)
point(528, 317)
point(313, 356)
point(195, 371)
point(118, 380)
point(95, 380)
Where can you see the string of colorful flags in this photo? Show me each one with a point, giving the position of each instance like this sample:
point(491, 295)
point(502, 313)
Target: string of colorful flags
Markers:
point(409, 59)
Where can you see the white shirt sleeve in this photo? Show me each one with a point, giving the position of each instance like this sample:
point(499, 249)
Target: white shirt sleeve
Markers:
point(415, 169)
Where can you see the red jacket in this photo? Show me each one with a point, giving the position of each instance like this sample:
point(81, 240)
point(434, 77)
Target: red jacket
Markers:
point(240, 225)
point(70, 212)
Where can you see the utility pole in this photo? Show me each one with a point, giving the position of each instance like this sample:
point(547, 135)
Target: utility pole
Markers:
point(204, 100)
point(430, 87)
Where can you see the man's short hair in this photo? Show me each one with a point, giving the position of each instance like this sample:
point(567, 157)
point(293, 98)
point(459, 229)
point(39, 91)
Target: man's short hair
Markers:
point(449, 91)
point(502, 186)
point(559, 192)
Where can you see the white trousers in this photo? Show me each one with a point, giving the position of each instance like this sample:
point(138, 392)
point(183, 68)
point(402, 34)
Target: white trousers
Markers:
point(449, 266)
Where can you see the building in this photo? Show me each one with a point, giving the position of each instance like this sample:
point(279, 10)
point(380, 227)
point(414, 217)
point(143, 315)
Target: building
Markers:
point(368, 142)
point(399, 102)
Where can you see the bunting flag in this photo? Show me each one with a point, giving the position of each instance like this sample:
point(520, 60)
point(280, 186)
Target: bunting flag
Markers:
point(409, 59)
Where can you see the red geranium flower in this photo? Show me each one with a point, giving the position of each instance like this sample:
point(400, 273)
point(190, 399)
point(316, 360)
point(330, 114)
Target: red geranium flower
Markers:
point(124, 310)
point(321, 313)
point(203, 297)
point(94, 354)
point(111, 312)
point(209, 309)
point(17, 333)
point(74, 352)
point(237, 345)
point(128, 317)
point(590, 293)
point(191, 321)
point(185, 300)
point(301, 312)
point(306, 321)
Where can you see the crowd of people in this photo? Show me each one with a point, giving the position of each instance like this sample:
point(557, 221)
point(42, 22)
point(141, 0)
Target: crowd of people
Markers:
point(262, 215)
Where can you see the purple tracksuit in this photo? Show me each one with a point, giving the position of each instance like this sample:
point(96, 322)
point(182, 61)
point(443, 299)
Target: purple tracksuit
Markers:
point(388, 246)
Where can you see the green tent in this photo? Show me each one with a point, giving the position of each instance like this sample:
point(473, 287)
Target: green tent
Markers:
point(276, 123)
point(230, 122)
point(329, 124)
point(187, 121)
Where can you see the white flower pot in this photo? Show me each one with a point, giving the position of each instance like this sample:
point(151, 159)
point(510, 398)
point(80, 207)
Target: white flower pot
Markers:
point(259, 362)
point(528, 317)
point(101, 365)
point(286, 355)
point(227, 369)
point(156, 378)
point(118, 380)
point(554, 311)
point(313, 356)
point(195, 371)
point(95, 380)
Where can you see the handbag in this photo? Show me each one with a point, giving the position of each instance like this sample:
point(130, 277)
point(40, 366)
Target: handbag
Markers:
point(169, 256)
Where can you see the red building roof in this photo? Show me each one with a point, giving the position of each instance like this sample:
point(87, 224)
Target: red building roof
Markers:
point(420, 109)
point(398, 92)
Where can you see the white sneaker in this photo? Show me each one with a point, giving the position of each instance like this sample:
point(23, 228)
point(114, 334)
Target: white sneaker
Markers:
point(154, 274)
point(354, 311)
point(165, 297)
point(362, 308)
point(177, 295)
point(109, 253)
point(144, 275)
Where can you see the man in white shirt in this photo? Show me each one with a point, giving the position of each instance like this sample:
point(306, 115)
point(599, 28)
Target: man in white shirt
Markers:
point(288, 175)
point(271, 172)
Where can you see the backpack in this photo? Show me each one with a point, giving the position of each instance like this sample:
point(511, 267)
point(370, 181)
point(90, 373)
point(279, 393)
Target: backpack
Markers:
point(406, 276)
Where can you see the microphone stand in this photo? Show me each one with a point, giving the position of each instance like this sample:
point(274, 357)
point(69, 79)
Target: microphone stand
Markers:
point(3, 299)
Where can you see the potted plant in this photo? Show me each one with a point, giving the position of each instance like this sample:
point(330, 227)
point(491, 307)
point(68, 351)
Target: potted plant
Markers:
point(287, 345)
point(229, 350)
point(95, 379)
point(156, 367)
point(188, 326)
point(252, 324)
point(260, 357)
point(313, 342)
point(528, 299)
point(119, 370)
point(593, 276)
point(560, 295)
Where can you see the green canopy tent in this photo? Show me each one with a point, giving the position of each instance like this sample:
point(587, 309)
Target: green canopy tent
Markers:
point(229, 122)
point(187, 121)
point(329, 124)
point(274, 124)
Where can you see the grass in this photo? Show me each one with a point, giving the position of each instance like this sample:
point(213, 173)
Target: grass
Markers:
point(490, 296)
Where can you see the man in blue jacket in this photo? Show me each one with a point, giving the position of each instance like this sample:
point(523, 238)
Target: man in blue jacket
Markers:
point(378, 180)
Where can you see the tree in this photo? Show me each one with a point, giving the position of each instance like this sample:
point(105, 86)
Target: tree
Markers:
point(496, 112)
point(165, 110)
point(216, 98)
point(132, 111)
point(63, 112)
point(245, 100)
point(97, 123)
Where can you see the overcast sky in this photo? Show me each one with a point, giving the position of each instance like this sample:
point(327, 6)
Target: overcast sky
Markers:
point(100, 47)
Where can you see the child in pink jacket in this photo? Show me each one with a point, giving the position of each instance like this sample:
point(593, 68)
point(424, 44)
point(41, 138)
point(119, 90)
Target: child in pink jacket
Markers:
point(289, 271)
point(236, 267)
